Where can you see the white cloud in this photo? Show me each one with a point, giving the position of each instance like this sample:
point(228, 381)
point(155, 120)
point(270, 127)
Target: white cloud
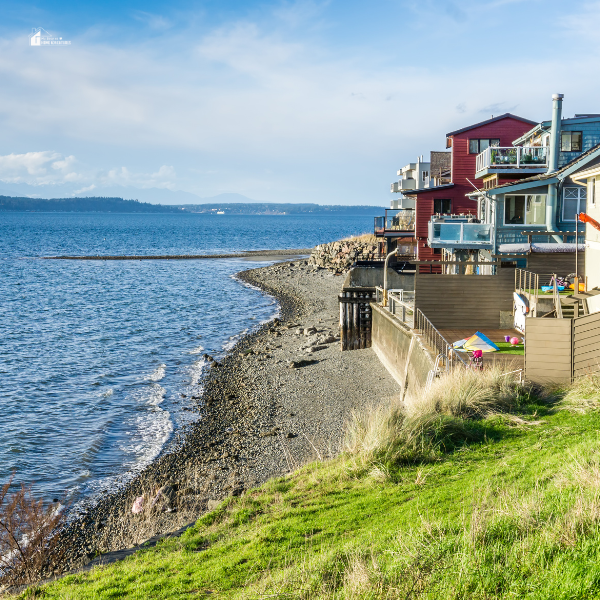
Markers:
point(51, 168)
point(250, 107)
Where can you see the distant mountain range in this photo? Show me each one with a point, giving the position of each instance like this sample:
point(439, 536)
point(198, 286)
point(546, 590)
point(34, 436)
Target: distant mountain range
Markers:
point(119, 205)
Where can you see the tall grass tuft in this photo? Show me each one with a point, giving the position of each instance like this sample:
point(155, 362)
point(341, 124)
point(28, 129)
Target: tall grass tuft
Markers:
point(583, 394)
point(438, 420)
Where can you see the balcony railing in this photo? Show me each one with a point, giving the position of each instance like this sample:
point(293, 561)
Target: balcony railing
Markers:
point(395, 220)
point(518, 157)
point(460, 233)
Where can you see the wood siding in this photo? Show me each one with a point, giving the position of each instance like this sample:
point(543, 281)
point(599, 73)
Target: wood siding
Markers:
point(586, 344)
point(561, 264)
point(451, 301)
point(548, 350)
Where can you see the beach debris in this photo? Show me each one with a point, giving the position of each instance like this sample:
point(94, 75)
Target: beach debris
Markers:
point(289, 435)
point(138, 505)
point(309, 331)
point(297, 364)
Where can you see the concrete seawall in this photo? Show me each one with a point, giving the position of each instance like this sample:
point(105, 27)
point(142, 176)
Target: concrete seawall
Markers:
point(400, 351)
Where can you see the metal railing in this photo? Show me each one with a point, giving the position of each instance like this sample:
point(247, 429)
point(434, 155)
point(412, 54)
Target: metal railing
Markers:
point(401, 305)
point(437, 341)
point(530, 283)
point(518, 157)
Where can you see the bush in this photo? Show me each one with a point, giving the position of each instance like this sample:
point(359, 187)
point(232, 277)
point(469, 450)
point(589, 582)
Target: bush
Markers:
point(28, 536)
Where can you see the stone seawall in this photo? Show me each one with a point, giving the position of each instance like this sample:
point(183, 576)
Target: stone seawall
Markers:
point(340, 256)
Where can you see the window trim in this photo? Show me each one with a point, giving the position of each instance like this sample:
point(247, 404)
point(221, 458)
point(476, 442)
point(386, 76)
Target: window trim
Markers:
point(505, 224)
point(579, 189)
point(449, 200)
point(570, 133)
point(479, 140)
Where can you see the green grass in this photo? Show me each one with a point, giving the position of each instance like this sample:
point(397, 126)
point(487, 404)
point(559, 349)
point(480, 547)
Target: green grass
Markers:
point(508, 348)
point(512, 511)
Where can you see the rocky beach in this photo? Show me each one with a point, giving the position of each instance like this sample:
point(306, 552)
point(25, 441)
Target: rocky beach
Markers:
point(279, 399)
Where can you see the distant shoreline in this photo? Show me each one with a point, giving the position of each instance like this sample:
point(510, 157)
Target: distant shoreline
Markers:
point(249, 254)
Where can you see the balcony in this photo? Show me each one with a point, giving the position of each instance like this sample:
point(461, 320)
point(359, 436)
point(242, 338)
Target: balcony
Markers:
point(396, 223)
point(522, 160)
point(457, 232)
point(403, 184)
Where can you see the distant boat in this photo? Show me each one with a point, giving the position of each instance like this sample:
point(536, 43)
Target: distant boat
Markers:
point(220, 212)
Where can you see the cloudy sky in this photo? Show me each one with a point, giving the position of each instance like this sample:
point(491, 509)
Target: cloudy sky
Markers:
point(282, 101)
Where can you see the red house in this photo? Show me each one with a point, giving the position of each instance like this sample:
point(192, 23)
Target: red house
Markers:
point(465, 145)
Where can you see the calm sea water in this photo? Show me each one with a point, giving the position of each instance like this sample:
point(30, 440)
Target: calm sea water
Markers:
point(96, 355)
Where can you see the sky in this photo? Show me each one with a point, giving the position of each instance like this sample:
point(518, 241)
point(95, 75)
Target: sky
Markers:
point(281, 101)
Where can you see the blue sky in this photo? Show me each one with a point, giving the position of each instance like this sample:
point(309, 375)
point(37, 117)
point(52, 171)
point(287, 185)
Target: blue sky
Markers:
point(302, 101)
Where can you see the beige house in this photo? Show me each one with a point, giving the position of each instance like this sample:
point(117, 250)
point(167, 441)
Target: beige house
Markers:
point(590, 176)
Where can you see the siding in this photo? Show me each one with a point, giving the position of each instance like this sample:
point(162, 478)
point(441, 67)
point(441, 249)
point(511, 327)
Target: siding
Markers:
point(586, 344)
point(451, 301)
point(561, 264)
point(548, 350)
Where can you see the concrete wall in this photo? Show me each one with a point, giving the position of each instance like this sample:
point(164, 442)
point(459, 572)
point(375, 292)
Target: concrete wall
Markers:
point(400, 351)
point(373, 277)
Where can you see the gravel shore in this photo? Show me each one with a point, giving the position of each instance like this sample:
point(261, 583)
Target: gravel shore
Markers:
point(279, 399)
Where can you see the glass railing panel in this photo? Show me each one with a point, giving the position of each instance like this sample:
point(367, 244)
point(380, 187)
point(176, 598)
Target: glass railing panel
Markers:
point(477, 232)
point(450, 232)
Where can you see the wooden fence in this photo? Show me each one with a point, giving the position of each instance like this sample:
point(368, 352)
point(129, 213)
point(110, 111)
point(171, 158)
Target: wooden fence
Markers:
point(355, 317)
point(452, 301)
point(558, 350)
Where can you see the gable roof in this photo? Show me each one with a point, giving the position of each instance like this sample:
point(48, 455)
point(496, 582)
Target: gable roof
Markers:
point(492, 120)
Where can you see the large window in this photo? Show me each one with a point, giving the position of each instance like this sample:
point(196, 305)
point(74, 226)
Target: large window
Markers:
point(442, 206)
point(528, 209)
point(477, 146)
point(570, 141)
point(573, 202)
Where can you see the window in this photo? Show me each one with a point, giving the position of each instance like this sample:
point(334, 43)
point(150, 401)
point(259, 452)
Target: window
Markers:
point(442, 206)
point(425, 175)
point(528, 209)
point(477, 146)
point(573, 202)
point(570, 141)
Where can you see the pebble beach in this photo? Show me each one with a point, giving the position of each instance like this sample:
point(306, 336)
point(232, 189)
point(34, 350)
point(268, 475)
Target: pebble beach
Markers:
point(279, 399)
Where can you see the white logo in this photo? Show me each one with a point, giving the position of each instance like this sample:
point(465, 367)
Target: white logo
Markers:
point(40, 37)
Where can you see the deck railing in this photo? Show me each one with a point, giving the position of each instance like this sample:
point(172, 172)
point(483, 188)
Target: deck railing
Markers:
point(517, 157)
point(437, 341)
point(401, 219)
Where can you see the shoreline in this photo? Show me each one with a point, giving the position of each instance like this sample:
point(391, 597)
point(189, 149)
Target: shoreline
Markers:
point(257, 255)
point(275, 401)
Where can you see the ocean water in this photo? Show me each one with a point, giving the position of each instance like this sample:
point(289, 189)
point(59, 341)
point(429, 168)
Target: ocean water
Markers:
point(97, 356)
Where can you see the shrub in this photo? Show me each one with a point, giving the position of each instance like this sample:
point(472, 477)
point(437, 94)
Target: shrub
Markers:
point(28, 536)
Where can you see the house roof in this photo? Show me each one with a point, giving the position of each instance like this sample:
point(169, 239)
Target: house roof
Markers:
point(559, 174)
point(492, 120)
point(429, 189)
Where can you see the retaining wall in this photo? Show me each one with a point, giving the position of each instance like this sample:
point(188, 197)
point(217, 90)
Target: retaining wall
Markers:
point(400, 351)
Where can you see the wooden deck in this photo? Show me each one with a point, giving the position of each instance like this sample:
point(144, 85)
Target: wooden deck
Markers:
point(508, 361)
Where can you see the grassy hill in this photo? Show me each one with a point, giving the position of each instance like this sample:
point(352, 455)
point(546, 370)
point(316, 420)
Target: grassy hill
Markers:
point(483, 488)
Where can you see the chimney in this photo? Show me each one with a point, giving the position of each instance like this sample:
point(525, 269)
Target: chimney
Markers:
point(557, 100)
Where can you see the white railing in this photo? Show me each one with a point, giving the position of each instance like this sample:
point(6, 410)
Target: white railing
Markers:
point(517, 157)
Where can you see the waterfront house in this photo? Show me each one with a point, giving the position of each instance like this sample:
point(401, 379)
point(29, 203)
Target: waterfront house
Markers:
point(527, 205)
point(448, 199)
